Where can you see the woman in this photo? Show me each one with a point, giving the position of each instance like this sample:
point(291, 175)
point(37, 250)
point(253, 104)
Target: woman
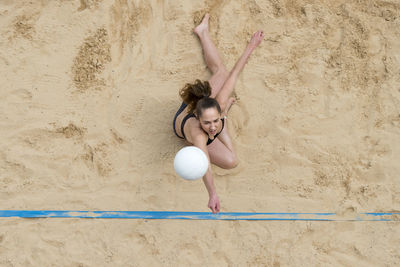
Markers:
point(201, 119)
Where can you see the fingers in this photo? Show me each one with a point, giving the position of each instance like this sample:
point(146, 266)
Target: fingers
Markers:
point(212, 208)
point(258, 34)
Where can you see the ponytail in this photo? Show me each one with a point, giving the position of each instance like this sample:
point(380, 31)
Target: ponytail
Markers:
point(192, 93)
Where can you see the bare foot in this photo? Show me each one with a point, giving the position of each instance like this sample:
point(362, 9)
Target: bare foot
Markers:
point(203, 26)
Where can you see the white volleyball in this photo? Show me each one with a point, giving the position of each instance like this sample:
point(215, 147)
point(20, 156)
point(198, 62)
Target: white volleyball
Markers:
point(191, 163)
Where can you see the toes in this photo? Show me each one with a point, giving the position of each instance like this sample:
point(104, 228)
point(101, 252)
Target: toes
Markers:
point(206, 17)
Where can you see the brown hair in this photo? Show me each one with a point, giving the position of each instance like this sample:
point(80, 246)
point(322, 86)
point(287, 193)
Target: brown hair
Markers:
point(192, 93)
point(205, 103)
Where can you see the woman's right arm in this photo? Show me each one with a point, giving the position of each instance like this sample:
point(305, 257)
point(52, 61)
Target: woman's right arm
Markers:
point(229, 84)
point(200, 141)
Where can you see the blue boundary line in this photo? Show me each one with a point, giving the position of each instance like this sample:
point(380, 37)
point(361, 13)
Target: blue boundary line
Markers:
point(184, 215)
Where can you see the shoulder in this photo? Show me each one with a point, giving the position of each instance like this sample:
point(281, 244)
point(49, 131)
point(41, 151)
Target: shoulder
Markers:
point(195, 134)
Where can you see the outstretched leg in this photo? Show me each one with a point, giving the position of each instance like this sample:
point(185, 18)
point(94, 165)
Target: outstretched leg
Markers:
point(211, 57)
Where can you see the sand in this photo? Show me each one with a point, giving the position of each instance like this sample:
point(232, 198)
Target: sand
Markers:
point(88, 92)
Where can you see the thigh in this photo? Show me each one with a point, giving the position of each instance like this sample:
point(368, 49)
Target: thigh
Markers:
point(221, 156)
point(217, 80)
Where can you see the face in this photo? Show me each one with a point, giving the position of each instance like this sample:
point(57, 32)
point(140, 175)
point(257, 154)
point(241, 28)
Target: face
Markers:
point(210, 121)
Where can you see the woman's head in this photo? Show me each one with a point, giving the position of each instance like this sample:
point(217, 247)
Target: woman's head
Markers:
point(207, 109)
point(208, 112)
point(207, 103)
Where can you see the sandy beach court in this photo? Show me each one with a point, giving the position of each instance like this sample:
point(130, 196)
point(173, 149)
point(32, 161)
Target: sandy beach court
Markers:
point(88, 93)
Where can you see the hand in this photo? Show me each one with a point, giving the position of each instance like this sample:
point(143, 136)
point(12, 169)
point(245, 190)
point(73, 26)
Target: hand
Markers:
point(256, 39)
point(213, 203)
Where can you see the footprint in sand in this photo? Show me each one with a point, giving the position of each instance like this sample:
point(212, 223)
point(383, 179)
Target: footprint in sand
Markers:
point(128, 19)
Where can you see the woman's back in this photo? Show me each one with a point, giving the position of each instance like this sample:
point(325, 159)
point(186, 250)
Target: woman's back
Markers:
point(179, 120)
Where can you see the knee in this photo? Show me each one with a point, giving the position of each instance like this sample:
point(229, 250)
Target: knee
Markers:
point(232, 162)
